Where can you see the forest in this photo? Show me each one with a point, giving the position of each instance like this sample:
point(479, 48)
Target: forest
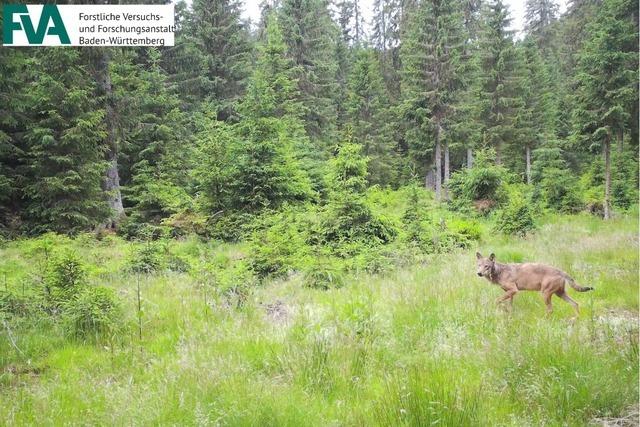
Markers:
point(274, 222)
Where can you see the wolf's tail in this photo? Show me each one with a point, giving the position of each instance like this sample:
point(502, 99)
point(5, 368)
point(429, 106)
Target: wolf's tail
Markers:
point(577, 287)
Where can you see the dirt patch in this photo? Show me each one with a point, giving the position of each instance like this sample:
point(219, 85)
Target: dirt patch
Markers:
point(620, 319)
point(19, 375)
point(277, 312)
point(630, 419)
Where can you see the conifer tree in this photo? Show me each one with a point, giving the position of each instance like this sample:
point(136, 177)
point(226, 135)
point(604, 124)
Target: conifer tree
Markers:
point(64, 139)
point(351, 22)
point(608, 82)
point(154, 140)
point(13, 104)
point(223, 39)
point(499, 68)
point(386, 34)
point(537, 115)
point(539, 16)
point(272, 135)
point(186, 63)
point(367, 108)
point(432, 55)
point(310, 35)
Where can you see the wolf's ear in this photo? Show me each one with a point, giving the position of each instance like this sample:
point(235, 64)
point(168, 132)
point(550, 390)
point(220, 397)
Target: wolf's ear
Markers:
point(492, 257)
point(478, 255)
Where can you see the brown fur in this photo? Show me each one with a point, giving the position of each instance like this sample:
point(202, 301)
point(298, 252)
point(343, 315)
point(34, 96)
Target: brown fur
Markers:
point(528, 277)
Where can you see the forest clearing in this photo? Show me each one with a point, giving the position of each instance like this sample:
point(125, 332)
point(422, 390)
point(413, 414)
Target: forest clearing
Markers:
point(418, 344)
point(274, 221)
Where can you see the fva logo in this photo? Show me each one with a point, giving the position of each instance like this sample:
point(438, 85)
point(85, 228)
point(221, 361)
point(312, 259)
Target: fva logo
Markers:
point(18, 19)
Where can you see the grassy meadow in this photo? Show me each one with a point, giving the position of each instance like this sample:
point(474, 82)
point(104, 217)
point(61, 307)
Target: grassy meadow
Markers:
point(423, 344)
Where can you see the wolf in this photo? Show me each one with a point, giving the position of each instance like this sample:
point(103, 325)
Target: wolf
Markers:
point(528, 277)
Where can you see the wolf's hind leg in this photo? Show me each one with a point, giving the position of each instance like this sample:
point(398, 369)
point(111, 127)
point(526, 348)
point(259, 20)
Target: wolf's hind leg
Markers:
point(546, 295)
point(567, 298)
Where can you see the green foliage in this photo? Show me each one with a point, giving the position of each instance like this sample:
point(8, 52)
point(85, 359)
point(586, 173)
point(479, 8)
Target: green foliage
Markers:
point(323, 273)
point(217, 44)
point(347, 217)
point(64, 137)
point(500, 63)
point(15, 305)
point(516, 218)
point(431, 236)
point(556, 185)
point(66, 276)
point(95, 312)
point(148, 257)
point(310, 36)
point(368, 112)
point(278, 245)
point(559, 189)
point(235, 283)
point(483, 182)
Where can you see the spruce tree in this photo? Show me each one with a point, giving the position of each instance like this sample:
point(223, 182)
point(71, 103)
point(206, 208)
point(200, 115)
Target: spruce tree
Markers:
point(386, 36)
point(432, 58)
point(310, 35)
point(538, 110)
point(608, 82)
point(65, 143)
point(155, 143)
point(539, 17)
point(271, 135)
point(223, 39)
point(499, 80)
point(368, 116)
point(13, 104)
point(186, 64)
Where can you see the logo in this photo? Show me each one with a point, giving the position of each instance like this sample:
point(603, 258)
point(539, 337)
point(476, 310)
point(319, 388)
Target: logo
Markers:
point(18, 19)
point(87, 25)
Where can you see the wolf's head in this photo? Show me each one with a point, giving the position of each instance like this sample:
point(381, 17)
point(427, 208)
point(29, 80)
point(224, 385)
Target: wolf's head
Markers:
point(485, 265)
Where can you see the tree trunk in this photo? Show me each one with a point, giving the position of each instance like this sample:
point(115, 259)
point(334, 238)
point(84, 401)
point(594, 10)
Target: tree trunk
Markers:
point(111, 183)
point(469, 158)
point(438, 161)
point(430, 178)
point(446, 169)
point(620, 141)
point(528, 171)
point(607, 177)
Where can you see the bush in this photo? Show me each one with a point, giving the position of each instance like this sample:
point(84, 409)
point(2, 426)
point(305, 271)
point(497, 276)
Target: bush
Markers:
point(278, 244)
point(516, 218)
point(470, 230)
point(66, 275)
point(178, 264)
point(147, 258)
point(15, 305)
point(482, 182)
point(559, 191)
point(96, 311)
point(234, 283)
point(132, 228)
point(323, 273)
point(348, 219)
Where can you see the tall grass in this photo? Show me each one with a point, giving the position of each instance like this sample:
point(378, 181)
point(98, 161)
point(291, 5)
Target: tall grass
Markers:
point(423, 345)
